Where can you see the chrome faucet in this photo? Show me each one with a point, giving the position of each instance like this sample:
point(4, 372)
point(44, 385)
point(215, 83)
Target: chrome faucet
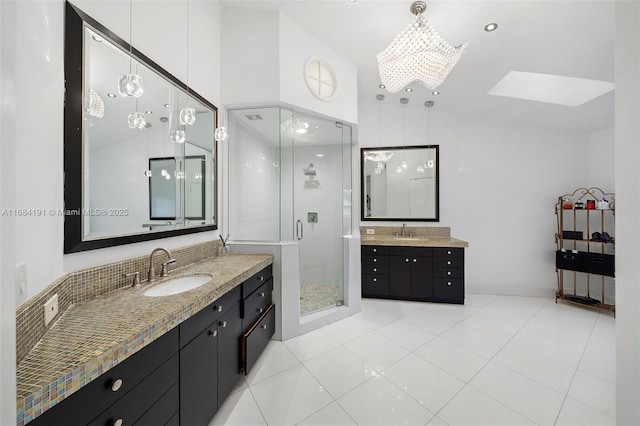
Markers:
point(164, 272)
point(404, 228)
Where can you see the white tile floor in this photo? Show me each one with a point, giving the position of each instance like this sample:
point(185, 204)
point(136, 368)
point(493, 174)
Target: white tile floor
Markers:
point(496, 360)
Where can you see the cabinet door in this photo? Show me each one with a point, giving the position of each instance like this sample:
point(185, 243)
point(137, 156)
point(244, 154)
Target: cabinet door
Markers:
point(229, 332)
point(400, 276)
point(199, 378)
point(421, 277)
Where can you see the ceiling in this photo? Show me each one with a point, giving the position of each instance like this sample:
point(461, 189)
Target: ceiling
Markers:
point(568, 38)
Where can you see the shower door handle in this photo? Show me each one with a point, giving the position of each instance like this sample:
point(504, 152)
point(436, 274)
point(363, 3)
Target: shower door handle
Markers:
point(299, 229)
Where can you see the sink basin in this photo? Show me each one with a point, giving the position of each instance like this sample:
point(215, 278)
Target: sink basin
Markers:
point(177, 285)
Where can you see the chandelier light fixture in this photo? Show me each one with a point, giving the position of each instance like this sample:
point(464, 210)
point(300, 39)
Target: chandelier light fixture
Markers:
point(419, 54)
point(130, 85)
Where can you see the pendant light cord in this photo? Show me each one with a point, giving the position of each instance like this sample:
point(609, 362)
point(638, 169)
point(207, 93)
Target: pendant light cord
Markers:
point(130, 35)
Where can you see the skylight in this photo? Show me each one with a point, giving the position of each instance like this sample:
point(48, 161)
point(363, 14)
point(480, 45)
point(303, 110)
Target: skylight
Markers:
point(554, 89)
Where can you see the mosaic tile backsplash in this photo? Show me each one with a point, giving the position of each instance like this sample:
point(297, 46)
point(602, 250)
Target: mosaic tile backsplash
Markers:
point(86, 284)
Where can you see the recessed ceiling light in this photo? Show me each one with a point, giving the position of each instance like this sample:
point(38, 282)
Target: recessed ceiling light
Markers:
point(148, 112)
point(435, 93)
point(352, 1)
point(408, 89)
point(382, 86)
point(96, 38)
point(111, 95)
point(554, 89)
point(319, 155)
point(167, 105)
point(491, 27)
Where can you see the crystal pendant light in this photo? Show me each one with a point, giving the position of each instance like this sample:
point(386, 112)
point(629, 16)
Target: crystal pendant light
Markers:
point(187, 114)
point(137, 120)
point(221, 134)
point(429, 105)
point(130, 85)
point(178, 136)
point(403, 165)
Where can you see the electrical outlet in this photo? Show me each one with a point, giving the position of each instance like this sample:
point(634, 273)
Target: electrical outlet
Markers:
point(371, 231)
point(50, 309)
point(21, 283)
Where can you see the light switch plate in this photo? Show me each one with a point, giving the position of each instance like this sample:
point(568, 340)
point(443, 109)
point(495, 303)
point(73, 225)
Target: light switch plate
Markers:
point(50, 309)
point(371, 231)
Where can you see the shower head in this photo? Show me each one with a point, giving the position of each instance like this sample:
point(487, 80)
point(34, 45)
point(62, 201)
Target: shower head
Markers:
point(309, 171)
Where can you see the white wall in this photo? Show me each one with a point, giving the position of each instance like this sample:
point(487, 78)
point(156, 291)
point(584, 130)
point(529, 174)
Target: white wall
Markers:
point(601, 159)
point(627, 177)
point(296, 46)
point(40, 94)
point(7, 223)
point(264, 54)
point(499, 182)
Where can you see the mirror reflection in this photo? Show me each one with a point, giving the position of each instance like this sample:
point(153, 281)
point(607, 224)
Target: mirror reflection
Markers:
point(400, 183)
point(148, 161)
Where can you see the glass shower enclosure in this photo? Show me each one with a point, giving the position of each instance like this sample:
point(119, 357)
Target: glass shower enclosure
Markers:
point(290, 180)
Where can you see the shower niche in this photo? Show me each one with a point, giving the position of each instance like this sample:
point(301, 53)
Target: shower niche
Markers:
point(290, 180)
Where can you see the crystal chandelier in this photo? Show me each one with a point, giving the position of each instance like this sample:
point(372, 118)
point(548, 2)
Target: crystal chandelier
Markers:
point(418, 53)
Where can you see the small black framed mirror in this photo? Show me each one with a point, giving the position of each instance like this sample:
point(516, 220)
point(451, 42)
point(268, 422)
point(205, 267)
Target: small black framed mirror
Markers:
point(400, 183)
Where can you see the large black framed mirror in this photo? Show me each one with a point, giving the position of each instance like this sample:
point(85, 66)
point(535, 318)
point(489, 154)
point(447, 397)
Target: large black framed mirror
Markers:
point(400, 183)
point(107, 155)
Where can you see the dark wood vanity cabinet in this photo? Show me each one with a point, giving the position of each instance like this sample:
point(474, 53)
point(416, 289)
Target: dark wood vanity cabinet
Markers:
point(184, 376)
point(413, 273)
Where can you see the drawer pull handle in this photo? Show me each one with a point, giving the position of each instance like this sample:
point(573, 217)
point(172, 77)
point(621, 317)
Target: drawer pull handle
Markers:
point(415, 260)
point(263, 326)
point(260, 278)
point(117, 422)
point(448, 272)
point(223, 324)
point(375, 250)
point(116, 385)
point(375, 269)
point(262, 294)
point(260, 310)
point(213, 333)
point(406, 260)
point(375, 260)
point(375, 280)
point(448, 282)
point(217, 308)
point(448, 251)
point(448, 262)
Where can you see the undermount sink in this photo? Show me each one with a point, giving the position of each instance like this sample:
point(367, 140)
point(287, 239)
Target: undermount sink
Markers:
point(177, 285)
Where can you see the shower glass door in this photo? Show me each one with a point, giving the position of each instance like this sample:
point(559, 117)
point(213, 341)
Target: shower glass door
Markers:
point(320, 157)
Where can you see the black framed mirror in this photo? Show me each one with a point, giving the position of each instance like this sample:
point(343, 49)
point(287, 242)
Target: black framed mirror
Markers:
point(400, 183)
point(107, 155)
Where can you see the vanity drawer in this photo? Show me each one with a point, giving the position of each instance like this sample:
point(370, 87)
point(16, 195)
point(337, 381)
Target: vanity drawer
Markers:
point(203, 319)
point(136, 402)
point(448, 272)
point(448, 252)
point(252, 284)
point(377, 250)
point(448, 262)
point(375, 269)
point(448, 290)
point(375, 285)
point(257, 337)
point(256, 304)
point(375, 260)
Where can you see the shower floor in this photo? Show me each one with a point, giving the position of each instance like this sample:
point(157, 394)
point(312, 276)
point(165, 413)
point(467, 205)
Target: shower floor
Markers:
point(314, 297)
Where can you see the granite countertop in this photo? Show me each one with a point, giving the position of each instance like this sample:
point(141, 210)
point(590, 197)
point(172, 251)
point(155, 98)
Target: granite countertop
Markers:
point(94, 336)
point(419, 241)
